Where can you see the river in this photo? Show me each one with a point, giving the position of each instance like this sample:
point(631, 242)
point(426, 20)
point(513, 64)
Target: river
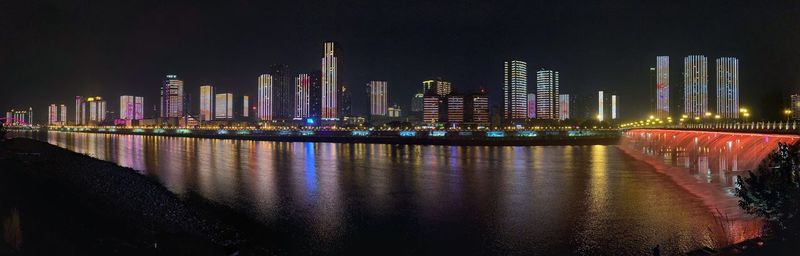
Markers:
point(327, 198)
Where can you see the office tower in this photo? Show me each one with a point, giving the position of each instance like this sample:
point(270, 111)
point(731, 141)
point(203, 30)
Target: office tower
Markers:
point(377, 98)
point(531, 105)
point(282, 92)
point(606, 106)
point(547, 94)
point(20, 117)
point(515, 90)
point(695, 85)
point(394, 111)
point(455, 109)
point(264, 98)
point(96, 108)
point(728, 87)
point(795, 106)
point(343, 102)
point(302, 95)
point(206, 103)
point(131, 107)
point(476, 108)
point(245, 106)
point(315, 94)
point(52, 114)
point(79, 110)
point(430, 111)
point(662, 86)
point(330, 82)
point(63, 113)
point(172, 97)
point(437, 86)
point(563, 107)
point(223, 106)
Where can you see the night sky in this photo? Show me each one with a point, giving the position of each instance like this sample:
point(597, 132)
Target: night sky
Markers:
point(51, 51)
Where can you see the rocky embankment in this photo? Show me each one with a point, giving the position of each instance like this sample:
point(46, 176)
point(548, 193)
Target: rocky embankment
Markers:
point(57, 202)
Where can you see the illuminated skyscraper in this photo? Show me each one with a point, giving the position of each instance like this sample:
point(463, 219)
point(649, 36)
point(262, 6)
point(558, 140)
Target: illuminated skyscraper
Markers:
point(437, 86)
point(547, 94)
point(455, 109)
point(430, 111)
point(245, 106)
point(315, 94)
point(206, 103)
point(606, 106)
point(79, 111)
point(282, 92)
point(302, 94)
point(695, 85)
point(662, 86)
point(344, 104)
point(264, 97)
point(563, 107)
point(96, 108)
point(330, 82)
point(131, 107)
point(223, 106)
point(172, 97)
point(477, 109)
point(52, 114)
point(377, 98)
point(531, 105)
point(728, 87)
point(63, 113)
point(515, 90)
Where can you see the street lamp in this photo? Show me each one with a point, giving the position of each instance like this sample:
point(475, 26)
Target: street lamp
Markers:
point(788, 113)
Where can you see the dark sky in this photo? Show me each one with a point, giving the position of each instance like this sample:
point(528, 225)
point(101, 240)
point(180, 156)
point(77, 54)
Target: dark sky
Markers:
point(51, 51)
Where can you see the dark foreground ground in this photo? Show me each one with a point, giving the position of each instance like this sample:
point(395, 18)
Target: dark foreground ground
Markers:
point(56, 202)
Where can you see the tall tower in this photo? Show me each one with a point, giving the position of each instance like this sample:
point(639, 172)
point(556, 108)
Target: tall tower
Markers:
point(172, 97)
point(547, 94)
point(728, 87)
point(302, 89)
point(695, 83)
point(515, 89)
point(437, 86)
point(131, 107)
point(662, 86)
point(315, 94)
point(330, 82)
point(206, 103)
point(79, 110)
point(264, 98)
point(283, 92)
point(223, 104)
point(563, 107)
point(377, 98)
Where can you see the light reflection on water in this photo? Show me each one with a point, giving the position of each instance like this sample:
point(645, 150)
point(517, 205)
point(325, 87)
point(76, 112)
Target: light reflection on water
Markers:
point(340, 198)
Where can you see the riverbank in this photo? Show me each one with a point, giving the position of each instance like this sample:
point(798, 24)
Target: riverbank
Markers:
point(57, 202)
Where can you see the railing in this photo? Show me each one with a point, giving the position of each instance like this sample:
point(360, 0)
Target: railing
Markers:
point(779, 127)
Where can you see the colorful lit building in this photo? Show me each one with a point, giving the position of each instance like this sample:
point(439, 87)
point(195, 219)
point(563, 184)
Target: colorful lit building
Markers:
point(728, 87)
point(695, 83)
point(377, 98)
point(531, 105)
point(223, 109)
point(131, 107)
point(547, 82)
point(330, 82)
point(430, 111)
point(662, 86)
point(606, 106)
point(302, 96)
point(206, 103)
point(264, 98)
point(437, 86)
point(515, 90)
point(52, 114)
point(563, 107)
point(172, 97)
point(455, 109)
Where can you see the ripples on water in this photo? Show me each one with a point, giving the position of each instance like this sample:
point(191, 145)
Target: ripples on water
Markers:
point(345, 198)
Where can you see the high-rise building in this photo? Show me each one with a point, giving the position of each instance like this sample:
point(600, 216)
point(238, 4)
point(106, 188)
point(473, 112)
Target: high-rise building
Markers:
point(223, 106)
point(563, 107)
point(245, 106)
point(19, 117)
point(79, 111)
point(96, 108)
point(476, 108)
point(264, 98)
point(430, 111)
point(531, 105)
point(131, 107)
point(455, 109)
point(63, 113)
point(695, 85)
point(206, 103)
point(282, 92)
point(302, 96)
point(417, 103)
point(606, 106)
point(330, 82)
point(343, 102)
point(547, 94)
point(172, 97)
point(52, 114)
point(377, 98)
point(662, 86)
point(515, 90)
point(394, 111)
point(795, 106)
point(728, 87)
point(437, 86)
point(315, 94)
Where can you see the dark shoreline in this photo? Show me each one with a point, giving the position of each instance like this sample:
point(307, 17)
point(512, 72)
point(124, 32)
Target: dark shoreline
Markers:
point(71, 204)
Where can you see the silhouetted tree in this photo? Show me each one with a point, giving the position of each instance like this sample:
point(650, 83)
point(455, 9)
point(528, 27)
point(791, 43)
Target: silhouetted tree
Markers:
point(772, 191)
